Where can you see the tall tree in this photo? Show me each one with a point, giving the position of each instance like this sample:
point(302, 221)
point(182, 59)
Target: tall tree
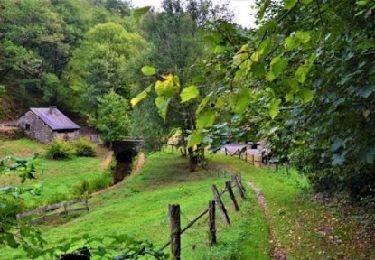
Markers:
point(106, 60)
point(177, 34)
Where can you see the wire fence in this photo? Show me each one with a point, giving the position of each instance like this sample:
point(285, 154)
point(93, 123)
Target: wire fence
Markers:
point(208, 215)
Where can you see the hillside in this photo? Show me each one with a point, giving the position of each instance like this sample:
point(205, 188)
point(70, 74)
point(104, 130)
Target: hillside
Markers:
point(138, 207)
point(56, 180)
point(289, 83)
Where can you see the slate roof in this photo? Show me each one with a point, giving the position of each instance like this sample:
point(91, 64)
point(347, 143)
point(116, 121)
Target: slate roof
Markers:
point(54, 118)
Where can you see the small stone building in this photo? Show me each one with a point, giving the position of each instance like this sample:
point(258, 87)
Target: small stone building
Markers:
point(47, 123)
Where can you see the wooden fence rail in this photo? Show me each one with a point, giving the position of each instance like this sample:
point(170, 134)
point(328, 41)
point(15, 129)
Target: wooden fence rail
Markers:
point(65, 206)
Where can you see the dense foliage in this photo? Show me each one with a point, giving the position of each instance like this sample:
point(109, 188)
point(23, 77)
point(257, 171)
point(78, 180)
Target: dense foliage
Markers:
point(112, 118)
point(59, 150)
point(83, 147)
point(303, 81)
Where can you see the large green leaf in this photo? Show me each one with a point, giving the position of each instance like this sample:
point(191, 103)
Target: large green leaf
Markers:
point(162, 105)
point(303, 69)
point(195, 138)
point(148, 71)
point(277, 66)
point(303, 37)
point(290, 43)
point(189, 93)
point(206, 119)
point(203, 104)
point(168, 87)
point(274, 108)
point(301, 73)
point(289, 4)
point(307, 95)
point(291, 86)
point(242, 101)
point(140, 96)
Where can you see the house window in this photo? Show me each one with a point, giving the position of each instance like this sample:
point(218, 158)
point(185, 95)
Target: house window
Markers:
point(27, 127)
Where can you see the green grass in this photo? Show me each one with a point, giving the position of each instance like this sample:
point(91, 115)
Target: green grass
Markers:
point(299, 222)
point(138, 207)
point(56, 177)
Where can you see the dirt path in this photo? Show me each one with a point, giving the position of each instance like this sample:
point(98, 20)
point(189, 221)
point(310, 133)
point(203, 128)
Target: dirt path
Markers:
point(277, 251)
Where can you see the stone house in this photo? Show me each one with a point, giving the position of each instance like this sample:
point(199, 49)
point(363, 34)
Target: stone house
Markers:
point(47, 123)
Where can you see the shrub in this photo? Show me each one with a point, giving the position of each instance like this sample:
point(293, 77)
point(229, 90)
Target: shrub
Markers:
point(59, 150)
point(86, 187)
point(82, 188)
point(10, 206)
point(83, 147)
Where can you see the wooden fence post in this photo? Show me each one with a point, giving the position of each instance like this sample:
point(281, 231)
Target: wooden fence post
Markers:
point(239, 186)
point(240, 182)
point(212, 223)
point(87, 204)
point(231, 195)
point(246, 156)
point(226, 152)
point(220, 204)
point(175, 224)
point(253, 159)
point(65, 209)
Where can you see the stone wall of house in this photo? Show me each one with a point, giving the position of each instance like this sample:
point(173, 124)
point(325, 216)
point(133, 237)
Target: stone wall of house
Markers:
point(66, 135)
point(35, 128)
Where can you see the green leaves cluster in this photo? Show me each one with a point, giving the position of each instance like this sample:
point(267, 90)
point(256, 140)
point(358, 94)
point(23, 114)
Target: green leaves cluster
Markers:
point(112, 119)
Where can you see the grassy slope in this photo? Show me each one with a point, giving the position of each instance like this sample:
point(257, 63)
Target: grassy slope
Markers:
point(307, 230)
point(57, 177)
point(139, 207)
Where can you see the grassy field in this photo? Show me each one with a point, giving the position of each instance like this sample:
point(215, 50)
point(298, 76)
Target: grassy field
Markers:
point(57, 178)
point(307, 229)
point(138, 207)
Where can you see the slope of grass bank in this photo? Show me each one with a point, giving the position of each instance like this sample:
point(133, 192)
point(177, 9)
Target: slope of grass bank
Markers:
point(307, 229)
point(57, 178)
point(138, 207)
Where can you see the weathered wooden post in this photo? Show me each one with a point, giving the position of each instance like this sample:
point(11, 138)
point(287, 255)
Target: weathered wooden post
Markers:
point(239, 153)
point(226, 152)
point(240, 188)
point(65, 206)
point(175, 224)
point(87, 204)
point(220, 204)
point(253, 159)
point(246, 156)
point(212, 223)
point(231, 195)
point(240, 182)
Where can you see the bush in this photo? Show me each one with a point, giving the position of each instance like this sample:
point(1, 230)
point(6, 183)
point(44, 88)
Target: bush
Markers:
point(82, 188)
point(86, 187)
point(59, 150)
point(83, 147)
